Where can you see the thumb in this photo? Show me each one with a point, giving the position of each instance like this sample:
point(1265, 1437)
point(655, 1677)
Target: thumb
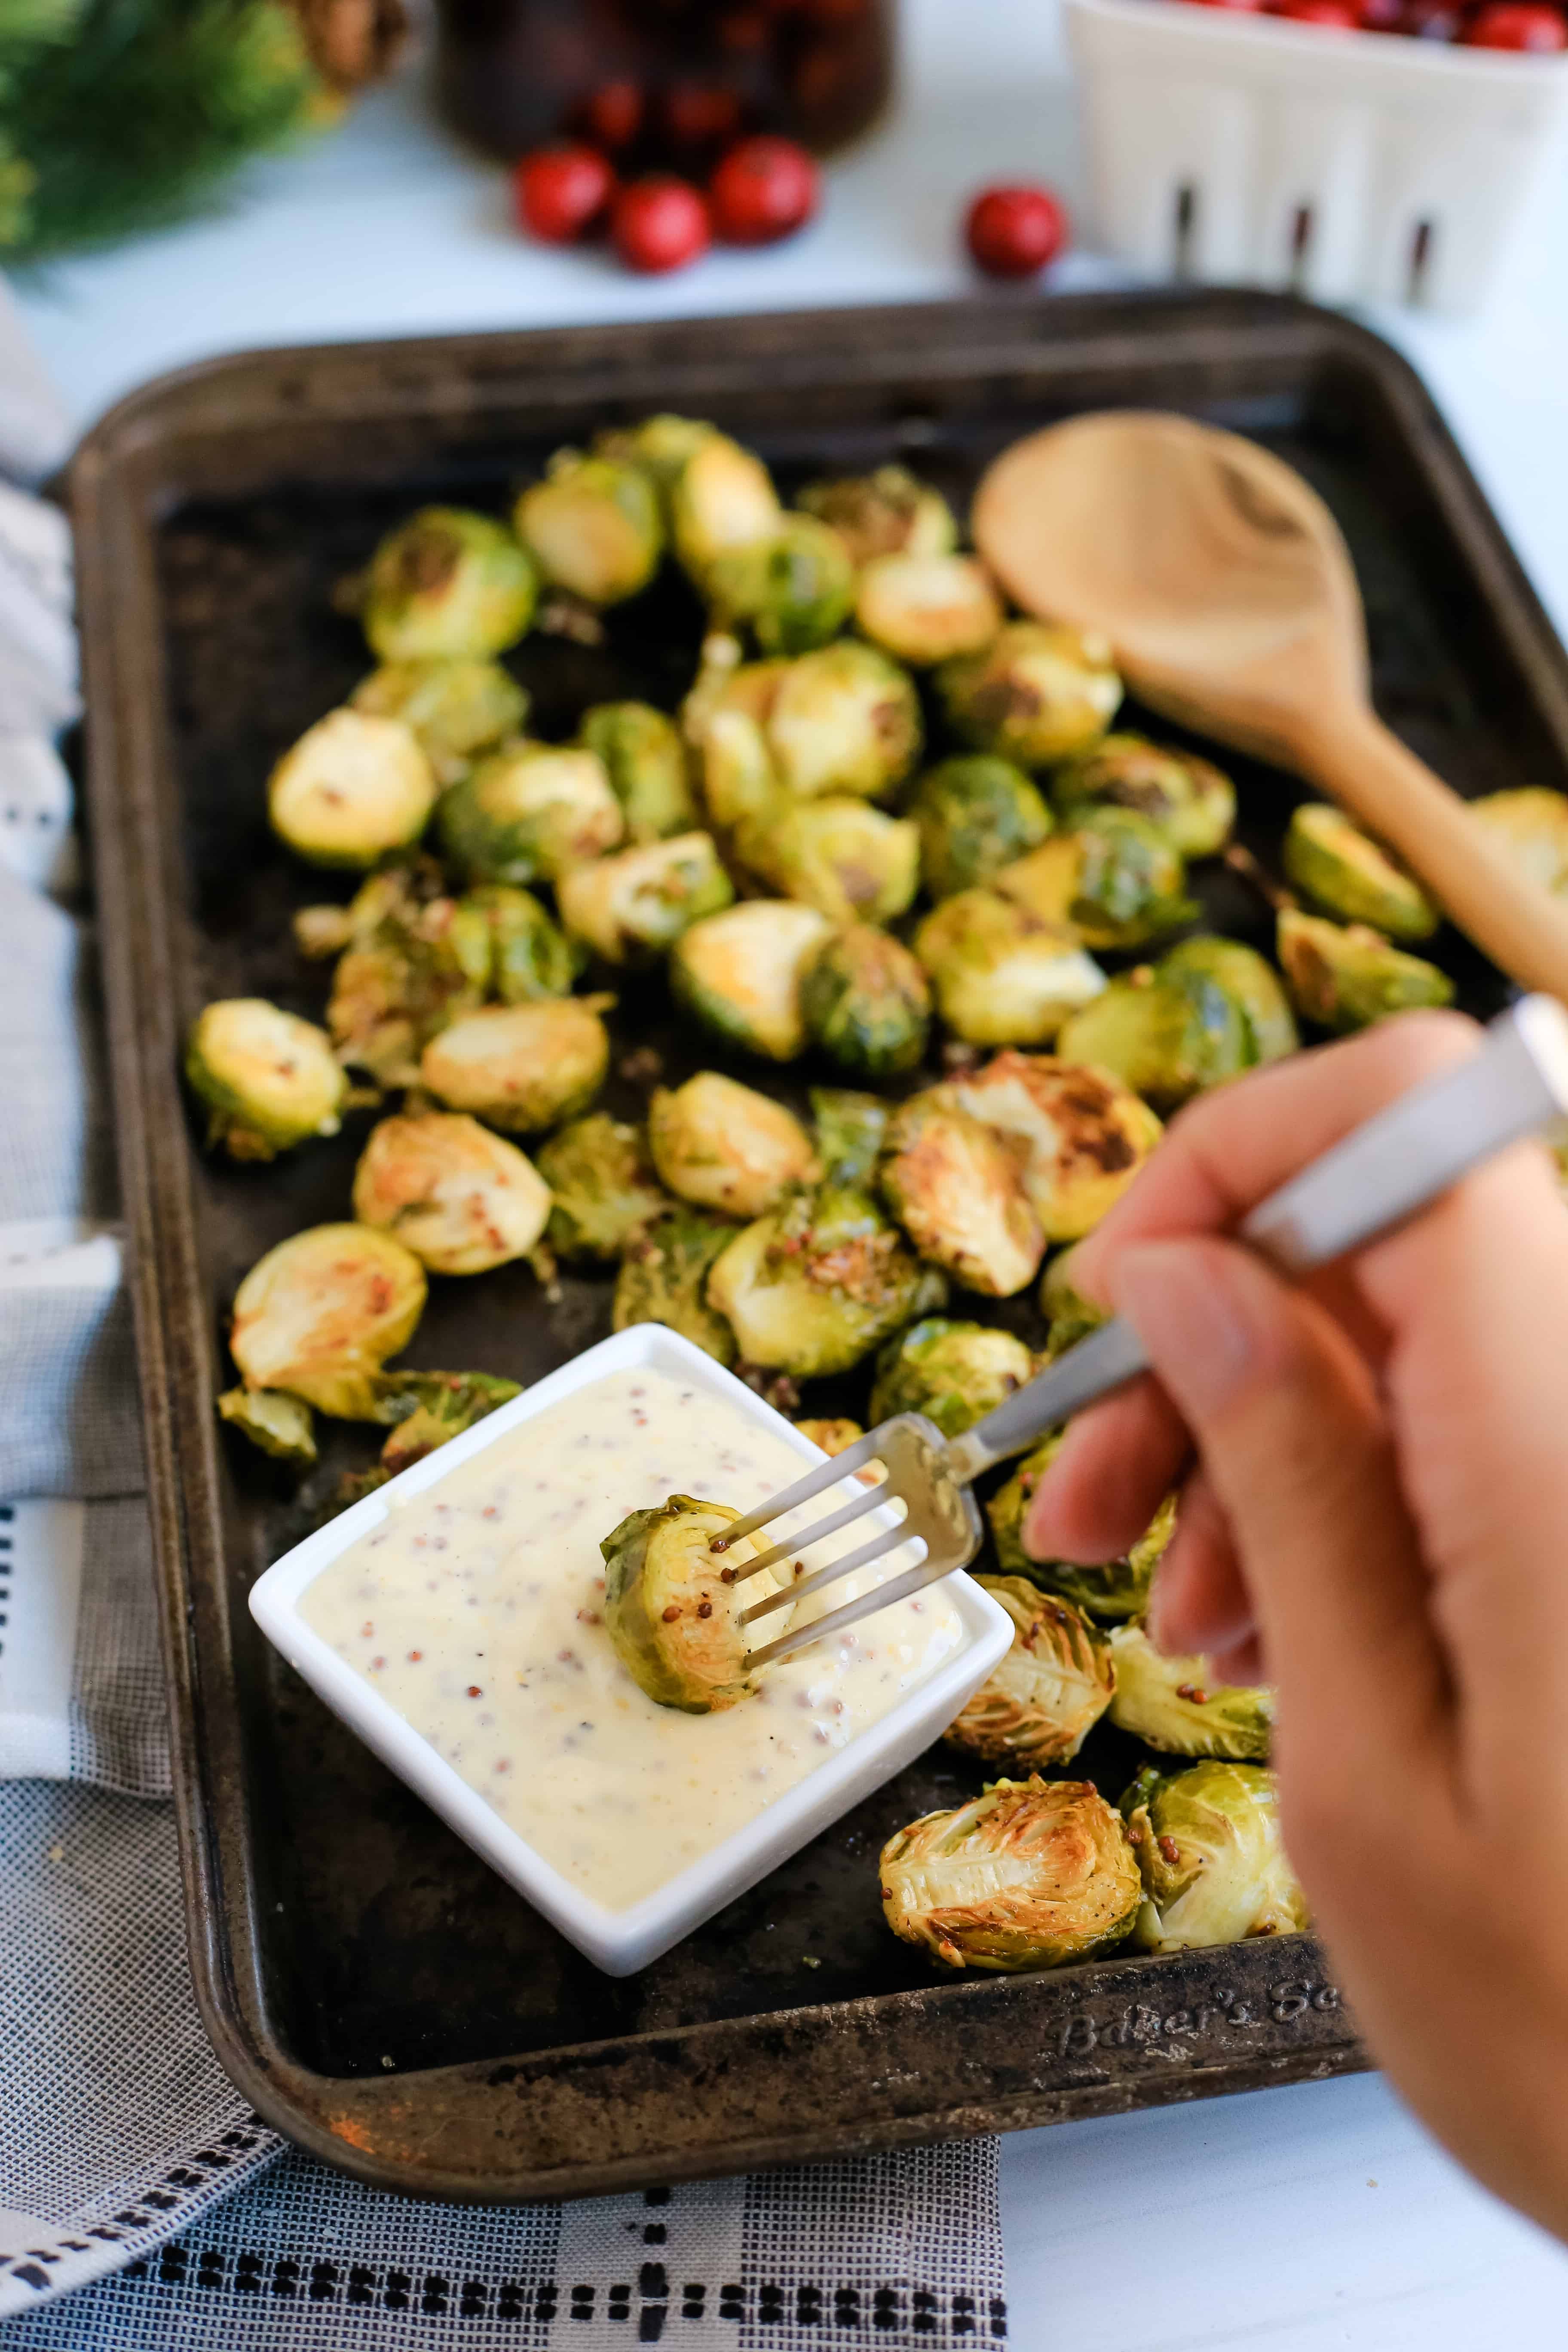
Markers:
point(1286, 1418)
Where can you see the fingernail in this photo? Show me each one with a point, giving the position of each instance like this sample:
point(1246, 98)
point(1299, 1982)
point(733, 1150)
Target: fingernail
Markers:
point(1180, 1300)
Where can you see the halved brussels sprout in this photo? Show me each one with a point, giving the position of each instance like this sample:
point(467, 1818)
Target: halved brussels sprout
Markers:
point(604, 1186)
point(412, 962)
point(725, 718)
point(720, 497)
point(1165, 1039)
point(1081, 1137)
point(1114, 880)
point(528, 957)
point(664, 1279)
point(520, 1067)
point(1214, 1868)
point(811, 1289)
point(1189, 801)
point(794, 590)
point(1249, 981)
point(1032, 1874)
point(739, 973)
point(1532, 825)
point(526, 813)
point(1002, 976)
point(456, 708)
point(462, 1198)
point(1070, 1314)
point(268, 1081)
point(846, 719)
point(957, 1189)
point(954, 1373)
point(644, 759)
point(976, 814)
point(887, 512)
point(427, 1410)
point(630, 907)
point(1039, 1706)
point(866, 1002)
point(674, 1615)
point(851, 861)
point(1175, 1705)
point(319, 1315)
point(833, 1436)
point(1345, 976)
point(448, 585)
point(723, 1146)
point(660, 444)
point(1119, 1588)
point(351, 791)
point(1037, 694)
point(1343, 870)
point(923, 609)
point(850, 1131)
point(593, 526)
point(275, 1422)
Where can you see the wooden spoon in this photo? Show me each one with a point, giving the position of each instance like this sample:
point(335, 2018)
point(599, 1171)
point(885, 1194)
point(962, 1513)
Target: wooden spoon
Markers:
point(1228, 597)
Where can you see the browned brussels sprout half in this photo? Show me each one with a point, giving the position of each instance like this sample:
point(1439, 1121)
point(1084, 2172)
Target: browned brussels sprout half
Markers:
point(1345, 976)
point(520, 1067)
point(1214, 1868)
point(593, 526)
point(1190, 801)
point(887, 512)
point(1118, 1589)
point(814, 1288)
point(447, 585)
point(527, 812)
point(320, 1313)
point(1347, 874)
point(1039, 1706)
point(604, 1186)
point(1037, 694)
point(645, 759)
point(957, 1189)
point(664, 1279)
point(352, 790)
point(723, 1146)
point(1176, 1704)
point(1082, 1136)
point(268, 1081)
point(867, 1004)
point(975, 816)
point(955, 1373)
point(456, 708)
point(673, 1615)
point(460, 1197)
point(793, 589)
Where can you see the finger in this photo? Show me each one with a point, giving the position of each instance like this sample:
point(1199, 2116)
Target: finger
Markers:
point(1117, 1464)
point(1199, 1600)
point(1246, 1664)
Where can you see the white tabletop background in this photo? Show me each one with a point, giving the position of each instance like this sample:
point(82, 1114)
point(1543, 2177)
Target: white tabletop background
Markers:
point(1299, 2220)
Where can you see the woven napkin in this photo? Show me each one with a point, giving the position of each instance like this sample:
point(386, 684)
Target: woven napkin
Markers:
point(141, 2205)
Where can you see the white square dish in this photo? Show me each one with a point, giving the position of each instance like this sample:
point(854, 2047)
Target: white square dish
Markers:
point(618, 1941)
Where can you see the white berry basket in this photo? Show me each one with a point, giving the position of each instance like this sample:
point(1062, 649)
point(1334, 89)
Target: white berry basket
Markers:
point(1342, 166)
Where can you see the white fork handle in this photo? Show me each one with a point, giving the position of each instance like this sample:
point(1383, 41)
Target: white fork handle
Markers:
point(1378, 1175)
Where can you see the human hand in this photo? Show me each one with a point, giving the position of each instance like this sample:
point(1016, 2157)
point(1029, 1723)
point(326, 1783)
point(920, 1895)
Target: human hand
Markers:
point(1373, 1517)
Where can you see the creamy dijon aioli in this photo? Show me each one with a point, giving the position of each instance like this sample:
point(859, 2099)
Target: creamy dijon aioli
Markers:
point(476, 1609)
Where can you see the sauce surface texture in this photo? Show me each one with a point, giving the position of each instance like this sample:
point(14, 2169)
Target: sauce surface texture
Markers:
point(474, 1608)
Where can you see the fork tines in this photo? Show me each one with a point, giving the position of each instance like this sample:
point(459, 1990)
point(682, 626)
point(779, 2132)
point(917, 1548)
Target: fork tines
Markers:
point(816, 1482)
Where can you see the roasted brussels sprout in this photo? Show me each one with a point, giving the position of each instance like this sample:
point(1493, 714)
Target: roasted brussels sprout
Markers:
point(1249, 981)
point(1532, 825)
point(887, 512)
point(1115, 881)
point(846, 719)
point(447, 585)
point(1165, 1039)
point(527, 812)
point(275, 1422)
point(411, 963)
point(675, 1620)
point(1118, 1589)
point(1081, 1138)
point(1039, 1706)
point(630, 907)
point(456, 708)
point(975, 816)
point(426, 1410)
point(867, 1002)
point(851, 861)
point(739, 973)
point(720, 497)
point(725, 718)
point(604, 1186)
point(1344, 976)
point(319, 1315)
point(1002, 976)
point(1208, 1847)
point(529, 957)
point(520, 1067)
point(926, 608)
point(593, 526)
point(957, 1189)
point(794, 590)
point(664, 1279)
point(351, 790)
point(723, 1146)
point(954, 1373)
point(851, 1129)
point(660, 444)
point(268, 1081)
point(1189, 801)
point(1032, 1874)
point(832, 1436)
point(462, 1198)
point(1035, 694)
point(644, 759)
point(1175, 1705)
point(1347, 874)
point(1070, 1314)
point(811, 1289)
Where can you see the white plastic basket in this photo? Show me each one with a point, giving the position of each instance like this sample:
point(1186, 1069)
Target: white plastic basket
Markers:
point(1224, 146)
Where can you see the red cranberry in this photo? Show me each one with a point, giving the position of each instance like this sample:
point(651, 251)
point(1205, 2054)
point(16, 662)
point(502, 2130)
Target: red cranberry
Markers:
point(1516, 24)
point(1014, 231)
point(659, 222)
point(611, 115)
point(561, 193)
point(699, 117)
point(764, 189)
point(1341, 16)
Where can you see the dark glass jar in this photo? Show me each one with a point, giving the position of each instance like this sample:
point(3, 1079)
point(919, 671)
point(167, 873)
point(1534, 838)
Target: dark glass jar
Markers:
point(663, 83)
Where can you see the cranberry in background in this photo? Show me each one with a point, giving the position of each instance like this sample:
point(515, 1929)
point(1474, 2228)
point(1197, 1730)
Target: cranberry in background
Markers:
point(1014, 231)
point(764, 189)
point(1430, 20)
point(562, 192)
point(659, 222)
point(613, 115)
point(1516, 24)
point(1382, 15)
point(1340, 15)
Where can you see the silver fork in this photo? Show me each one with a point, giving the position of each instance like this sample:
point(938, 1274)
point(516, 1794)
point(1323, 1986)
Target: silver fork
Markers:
point(1376, 1176)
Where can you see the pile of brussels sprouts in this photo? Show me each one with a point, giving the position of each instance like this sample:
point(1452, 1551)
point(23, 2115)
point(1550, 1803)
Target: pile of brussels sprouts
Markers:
point(885, 812)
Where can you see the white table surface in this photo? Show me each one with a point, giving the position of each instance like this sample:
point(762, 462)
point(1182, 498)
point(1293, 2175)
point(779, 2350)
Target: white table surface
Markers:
point(1299, 2220)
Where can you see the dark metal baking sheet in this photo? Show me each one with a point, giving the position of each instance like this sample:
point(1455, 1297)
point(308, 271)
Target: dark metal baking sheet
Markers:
point(335, 1925)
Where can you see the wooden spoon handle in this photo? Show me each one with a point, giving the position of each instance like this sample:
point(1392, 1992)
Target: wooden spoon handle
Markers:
point(1514, 920)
